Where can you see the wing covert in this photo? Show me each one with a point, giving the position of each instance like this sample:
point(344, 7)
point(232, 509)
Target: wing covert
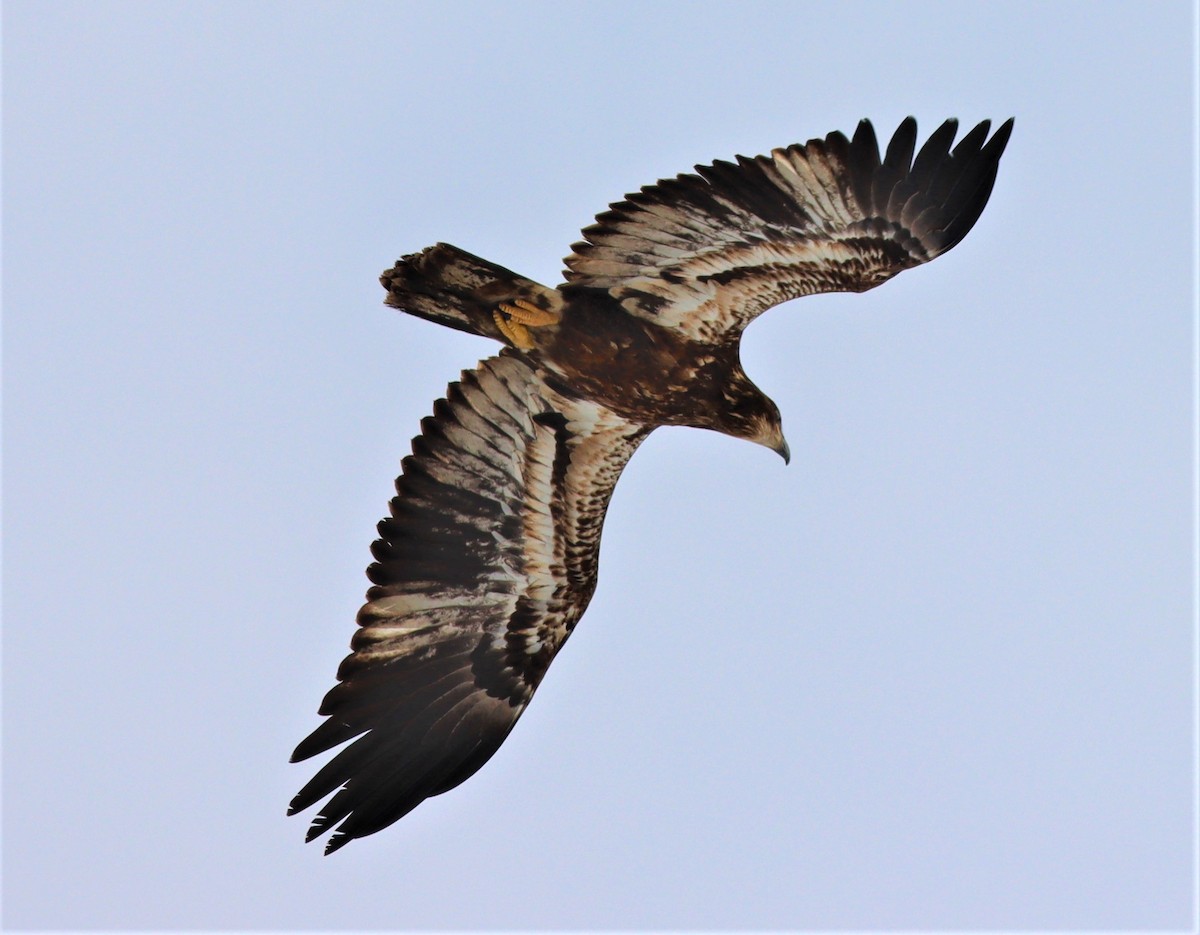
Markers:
point(706, 253)
point(485, 563)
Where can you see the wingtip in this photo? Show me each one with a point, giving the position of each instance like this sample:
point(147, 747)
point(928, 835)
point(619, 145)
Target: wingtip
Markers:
point(1003, 132)
point(899, 154)
point(315, 830)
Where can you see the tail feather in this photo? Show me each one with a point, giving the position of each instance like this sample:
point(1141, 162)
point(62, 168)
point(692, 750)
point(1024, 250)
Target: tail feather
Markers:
point(454, 288)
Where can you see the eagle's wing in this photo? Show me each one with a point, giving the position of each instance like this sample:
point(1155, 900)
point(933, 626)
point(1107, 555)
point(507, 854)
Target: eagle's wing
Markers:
point(705, 254)
point(486, 563)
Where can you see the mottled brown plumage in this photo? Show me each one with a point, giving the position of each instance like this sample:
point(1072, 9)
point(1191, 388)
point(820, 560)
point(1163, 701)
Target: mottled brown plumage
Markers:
point(489, 556)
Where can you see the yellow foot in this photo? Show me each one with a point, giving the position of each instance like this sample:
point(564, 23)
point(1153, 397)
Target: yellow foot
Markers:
point(515, 320)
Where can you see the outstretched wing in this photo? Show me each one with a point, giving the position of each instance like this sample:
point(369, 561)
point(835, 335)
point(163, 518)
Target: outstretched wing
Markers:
point(705, 254)
point(487, 561)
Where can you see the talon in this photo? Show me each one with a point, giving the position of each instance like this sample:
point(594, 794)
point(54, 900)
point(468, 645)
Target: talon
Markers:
point(524, 312)
point(517, 334)
point(516, 318)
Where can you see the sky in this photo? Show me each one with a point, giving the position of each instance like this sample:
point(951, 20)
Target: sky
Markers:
point(936, 674)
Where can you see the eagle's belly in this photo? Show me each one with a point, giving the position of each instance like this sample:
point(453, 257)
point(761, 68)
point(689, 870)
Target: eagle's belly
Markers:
point(639, 370)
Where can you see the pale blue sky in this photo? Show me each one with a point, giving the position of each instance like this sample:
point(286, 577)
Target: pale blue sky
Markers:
point(935, 674)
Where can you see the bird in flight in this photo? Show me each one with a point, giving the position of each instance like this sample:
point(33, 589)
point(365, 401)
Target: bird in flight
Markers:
point(488, 556)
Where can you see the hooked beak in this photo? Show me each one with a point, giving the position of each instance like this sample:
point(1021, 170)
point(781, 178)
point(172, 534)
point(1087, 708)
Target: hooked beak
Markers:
point(783, 451)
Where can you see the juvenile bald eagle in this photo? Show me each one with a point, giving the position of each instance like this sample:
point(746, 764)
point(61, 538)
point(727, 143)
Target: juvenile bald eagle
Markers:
point(488, 557)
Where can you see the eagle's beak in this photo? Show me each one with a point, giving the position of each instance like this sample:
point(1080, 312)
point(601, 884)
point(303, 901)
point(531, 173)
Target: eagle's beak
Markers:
point(783, 451)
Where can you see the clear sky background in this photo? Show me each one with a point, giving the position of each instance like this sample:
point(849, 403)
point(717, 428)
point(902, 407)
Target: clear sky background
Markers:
point(938, 673)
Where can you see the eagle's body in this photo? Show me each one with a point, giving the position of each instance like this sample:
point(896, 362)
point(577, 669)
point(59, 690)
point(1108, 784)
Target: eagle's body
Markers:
point(641, 370)
point(489, 556)
point(597, 350)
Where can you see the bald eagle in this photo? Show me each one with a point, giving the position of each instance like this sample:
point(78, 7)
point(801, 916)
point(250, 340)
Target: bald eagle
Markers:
point(488, 556)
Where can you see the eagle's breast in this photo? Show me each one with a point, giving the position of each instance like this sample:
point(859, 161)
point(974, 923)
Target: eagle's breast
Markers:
point(640, 370)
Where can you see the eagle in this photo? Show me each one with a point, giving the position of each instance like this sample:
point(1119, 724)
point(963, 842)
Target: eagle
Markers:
point(488, 556)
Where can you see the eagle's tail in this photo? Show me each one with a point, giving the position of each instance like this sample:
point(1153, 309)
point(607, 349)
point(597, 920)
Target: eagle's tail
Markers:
point(455, 288)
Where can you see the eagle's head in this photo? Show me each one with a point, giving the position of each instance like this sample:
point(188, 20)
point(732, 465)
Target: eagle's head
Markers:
point(747, 412)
